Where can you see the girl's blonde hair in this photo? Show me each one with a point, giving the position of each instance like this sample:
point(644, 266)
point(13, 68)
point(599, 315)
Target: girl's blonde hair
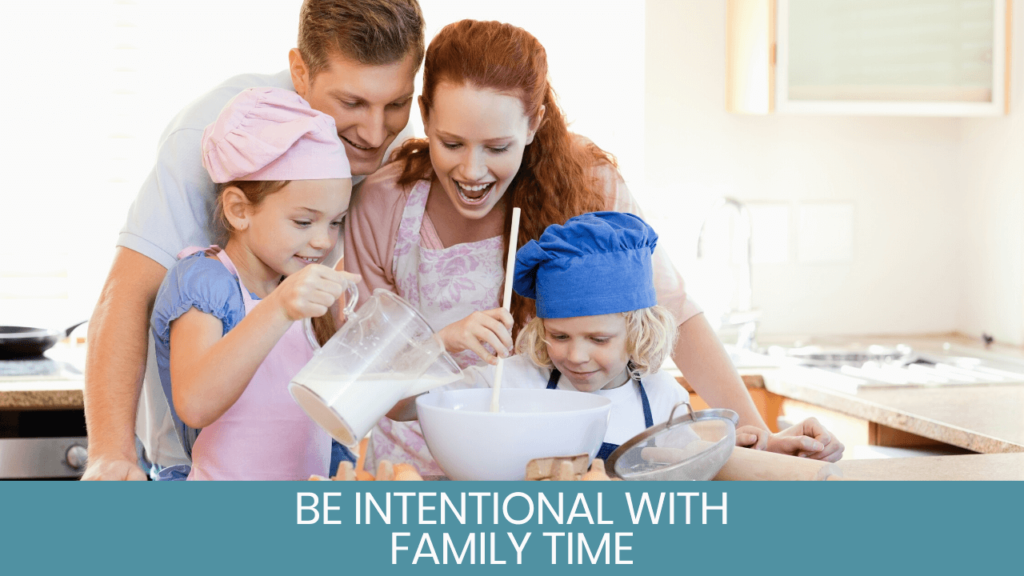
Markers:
point(650, 338)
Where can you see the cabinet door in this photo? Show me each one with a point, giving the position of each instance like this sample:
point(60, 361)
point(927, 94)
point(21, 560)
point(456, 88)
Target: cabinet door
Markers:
point(911, 57)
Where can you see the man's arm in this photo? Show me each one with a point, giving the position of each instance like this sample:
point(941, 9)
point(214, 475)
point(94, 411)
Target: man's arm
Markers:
point(116, 363)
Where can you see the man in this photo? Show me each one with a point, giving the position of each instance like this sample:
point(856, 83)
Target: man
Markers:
point(356, 61)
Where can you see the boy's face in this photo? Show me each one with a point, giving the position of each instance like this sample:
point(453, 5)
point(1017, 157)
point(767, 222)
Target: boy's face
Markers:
point(370, 104)
point(589, 350)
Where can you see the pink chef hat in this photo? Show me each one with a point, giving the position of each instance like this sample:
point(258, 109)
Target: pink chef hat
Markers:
point(273, 134)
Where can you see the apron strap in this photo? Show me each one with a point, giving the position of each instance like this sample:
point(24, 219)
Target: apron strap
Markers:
point(222, 255)
point(553, 380)
point(648, 417)
point(186, 252)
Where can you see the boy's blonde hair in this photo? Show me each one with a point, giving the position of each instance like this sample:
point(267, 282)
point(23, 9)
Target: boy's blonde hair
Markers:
point(650, 338)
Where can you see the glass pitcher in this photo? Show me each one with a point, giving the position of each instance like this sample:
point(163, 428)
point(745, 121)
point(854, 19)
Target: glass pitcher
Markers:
point(383, 353)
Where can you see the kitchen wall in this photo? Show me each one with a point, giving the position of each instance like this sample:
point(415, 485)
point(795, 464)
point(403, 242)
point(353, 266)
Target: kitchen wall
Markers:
point(990, 214)
point(936, 204)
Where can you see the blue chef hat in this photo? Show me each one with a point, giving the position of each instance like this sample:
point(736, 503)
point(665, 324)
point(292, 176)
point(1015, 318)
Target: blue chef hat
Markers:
point(597, 263)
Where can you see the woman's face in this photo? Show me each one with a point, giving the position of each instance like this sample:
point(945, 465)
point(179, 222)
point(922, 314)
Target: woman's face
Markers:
point(477, 138)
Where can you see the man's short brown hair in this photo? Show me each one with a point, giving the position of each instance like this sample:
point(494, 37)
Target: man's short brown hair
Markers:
point(372, 32)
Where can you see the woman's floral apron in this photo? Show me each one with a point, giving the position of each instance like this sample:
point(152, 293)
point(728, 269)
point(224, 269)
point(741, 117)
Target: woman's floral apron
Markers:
point(445, 285)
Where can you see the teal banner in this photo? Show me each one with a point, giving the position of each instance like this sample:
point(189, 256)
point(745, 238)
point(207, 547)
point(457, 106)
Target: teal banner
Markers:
point(506, 527)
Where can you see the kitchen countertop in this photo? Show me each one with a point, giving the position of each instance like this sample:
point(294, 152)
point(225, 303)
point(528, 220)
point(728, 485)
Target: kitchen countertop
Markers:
point(980, 418)
point(41, 393)
point(962, 467)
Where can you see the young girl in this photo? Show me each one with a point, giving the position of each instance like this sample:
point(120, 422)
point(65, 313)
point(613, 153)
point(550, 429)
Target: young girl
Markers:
point(225, 321)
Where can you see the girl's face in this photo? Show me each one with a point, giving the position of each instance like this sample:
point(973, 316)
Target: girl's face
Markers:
point(589, 350)
point(297, 225)
point(477, 137)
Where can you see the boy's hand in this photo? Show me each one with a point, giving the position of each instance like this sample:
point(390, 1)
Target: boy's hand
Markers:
point(311, 291)
point(493, 327)
point(808, 439)
point(752, 437)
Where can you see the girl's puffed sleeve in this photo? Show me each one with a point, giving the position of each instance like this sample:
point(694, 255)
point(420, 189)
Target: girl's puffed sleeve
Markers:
point(201, 283)
point(668, 283)
point(193, 282)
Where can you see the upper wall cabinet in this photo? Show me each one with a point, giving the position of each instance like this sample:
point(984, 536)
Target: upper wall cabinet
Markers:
point(868, 57)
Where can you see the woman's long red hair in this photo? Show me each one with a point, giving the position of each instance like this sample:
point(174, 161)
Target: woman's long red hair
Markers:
point(554, 182)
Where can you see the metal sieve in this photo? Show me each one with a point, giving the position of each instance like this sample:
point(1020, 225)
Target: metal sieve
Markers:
point(693, 446)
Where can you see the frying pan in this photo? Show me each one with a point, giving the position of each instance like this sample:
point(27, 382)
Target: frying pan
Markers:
point(25, 342)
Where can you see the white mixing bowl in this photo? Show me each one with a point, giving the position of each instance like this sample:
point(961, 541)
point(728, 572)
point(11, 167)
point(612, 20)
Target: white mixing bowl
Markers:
point(470, 442)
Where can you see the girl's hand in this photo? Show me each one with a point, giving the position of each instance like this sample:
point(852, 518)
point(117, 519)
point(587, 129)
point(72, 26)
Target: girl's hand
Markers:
point(752, 437)
point(808, 439)
point(311, 291)
point(493, 327)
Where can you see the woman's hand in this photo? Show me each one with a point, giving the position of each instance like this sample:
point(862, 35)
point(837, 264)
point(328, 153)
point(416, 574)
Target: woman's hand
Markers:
point(311, 291)
point(808, 439)
point(493, 327)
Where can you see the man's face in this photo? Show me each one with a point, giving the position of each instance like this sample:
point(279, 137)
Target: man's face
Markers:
point(369, 104)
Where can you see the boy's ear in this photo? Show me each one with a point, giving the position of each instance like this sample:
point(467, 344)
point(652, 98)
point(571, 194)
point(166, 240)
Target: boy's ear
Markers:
point(236, 207)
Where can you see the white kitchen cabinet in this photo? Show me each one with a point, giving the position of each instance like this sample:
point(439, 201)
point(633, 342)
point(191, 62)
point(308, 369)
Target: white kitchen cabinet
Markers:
point(868, 57)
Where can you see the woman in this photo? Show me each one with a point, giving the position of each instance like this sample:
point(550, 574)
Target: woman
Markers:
point(433, 225)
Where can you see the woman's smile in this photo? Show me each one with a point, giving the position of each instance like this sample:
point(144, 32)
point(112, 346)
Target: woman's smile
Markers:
point(473, 195)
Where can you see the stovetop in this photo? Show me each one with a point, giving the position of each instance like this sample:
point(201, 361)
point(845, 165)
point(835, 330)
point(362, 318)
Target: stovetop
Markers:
point(39, 368)
point(850, 368)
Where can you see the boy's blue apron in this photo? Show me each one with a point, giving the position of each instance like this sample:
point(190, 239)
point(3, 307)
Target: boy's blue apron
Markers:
point(607, 447)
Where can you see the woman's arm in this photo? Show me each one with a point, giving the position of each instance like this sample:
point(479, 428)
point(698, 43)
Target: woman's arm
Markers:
point(703, 360)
